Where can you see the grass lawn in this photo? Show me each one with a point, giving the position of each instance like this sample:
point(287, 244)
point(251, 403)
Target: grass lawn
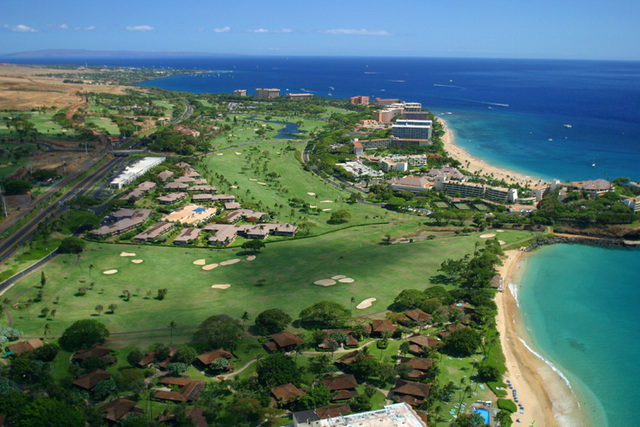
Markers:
point(104, 123)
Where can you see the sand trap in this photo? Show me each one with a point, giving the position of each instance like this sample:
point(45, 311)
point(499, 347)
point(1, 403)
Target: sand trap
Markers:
point(219, 154)
point(326, 201)
point(209, 267)
point(234, 186)
point(238, 153)
point(326, 210)
point(338, 276)
point(136, 261)
point(346, 280)
point(251, 257)
point(110, 272)
point(325, 282)
point(502, 242)
point(312, 207)
point(230, 261)
point(252, 179)
point(199, 262)
point(262, 183)
point(227, 286)
point(487, 236)
point(499, 231)
point(311, 194)
point(127, 254)
point(366, 303)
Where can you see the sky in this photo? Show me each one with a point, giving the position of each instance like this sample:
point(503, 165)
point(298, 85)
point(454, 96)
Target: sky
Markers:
point(550, 29)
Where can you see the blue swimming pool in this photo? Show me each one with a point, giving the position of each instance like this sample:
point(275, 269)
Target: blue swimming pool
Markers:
point(199, 210)
point(486, 415)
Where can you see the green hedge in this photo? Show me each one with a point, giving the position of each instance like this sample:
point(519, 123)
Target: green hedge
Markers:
point(507, 405)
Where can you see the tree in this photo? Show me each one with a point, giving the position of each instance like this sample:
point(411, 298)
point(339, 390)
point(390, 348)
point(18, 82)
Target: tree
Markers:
point(104, 388)
point(254, 246)
point(175, 369)
point(50, 412)
point(83, 334)
point(43, 280)
point(463, 342)
point(134, 357)
point(220, 331)
point(272, 321)
point(71, 245)
point(99, 308)
point(46, 353)
point(276, 369)
point(112, 308)
point(44, 311)
point(326, 314)
point(162, 293)
point(339, 217)
point(16, 186)
point(316, 397)
point(185, 354)
point(220, 364)
point(245, 316)
point(172, 326)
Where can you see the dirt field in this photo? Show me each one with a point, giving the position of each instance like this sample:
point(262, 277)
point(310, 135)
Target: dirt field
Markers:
point(21, 89)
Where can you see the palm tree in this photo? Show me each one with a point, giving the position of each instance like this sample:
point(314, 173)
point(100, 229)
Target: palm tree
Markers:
point(245, 316)
point(172, 326)
point(47, 328)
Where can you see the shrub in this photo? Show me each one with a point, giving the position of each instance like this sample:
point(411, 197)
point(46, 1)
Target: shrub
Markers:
point(507, 405)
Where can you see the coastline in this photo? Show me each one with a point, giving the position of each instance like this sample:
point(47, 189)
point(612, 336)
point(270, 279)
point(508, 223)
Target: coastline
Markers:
point(476, 165)
point(547, 398)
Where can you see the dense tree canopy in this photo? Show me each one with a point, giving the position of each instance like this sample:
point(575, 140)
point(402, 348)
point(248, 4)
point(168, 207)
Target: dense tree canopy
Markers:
point(463, 342)
point(276, 369)
point(220, 331)
point(83, 334)
point(71, 245)
point(272, 321)
point(326, 314)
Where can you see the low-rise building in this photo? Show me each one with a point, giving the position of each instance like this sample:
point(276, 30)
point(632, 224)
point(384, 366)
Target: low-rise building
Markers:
point(176, 186)
point(187, 235)
point(205, 188)
point(359, 169)
point(410, 392)
point(283, 341)
point(398, 414)
point(267, 93)
point(131, 173)
point(240, 92)
point(155, 231)
point(415, 184)
point(386, 115)
point(595, 187)
point(133, 219)
point(165, 175)
point(171, 198)
point(632, 203)
point(389, 165)
point(190, 214)
point(297, 96)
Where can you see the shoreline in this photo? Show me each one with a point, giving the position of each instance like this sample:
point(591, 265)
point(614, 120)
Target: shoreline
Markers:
point(547, 397)
point(477, 165)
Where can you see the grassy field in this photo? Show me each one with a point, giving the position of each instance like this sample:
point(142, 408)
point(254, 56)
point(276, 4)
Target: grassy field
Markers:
point(288, 270)
point(104, 123)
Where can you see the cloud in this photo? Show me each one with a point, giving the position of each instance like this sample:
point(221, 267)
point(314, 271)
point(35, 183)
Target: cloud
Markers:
point(284, 31)
point(63, 26)
point(89, 28)
point(19, 28)
point(139, 28)
point(222, 30)
point(357, 32)
point(259, 30)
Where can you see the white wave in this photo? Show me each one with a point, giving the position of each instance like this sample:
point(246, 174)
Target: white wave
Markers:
point(514, 291)
point(548, 363)
point(397, 81)
point(457, 87)
point(371, 72)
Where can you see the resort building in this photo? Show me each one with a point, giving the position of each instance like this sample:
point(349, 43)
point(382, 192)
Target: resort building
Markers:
point(446, 172)
point(398, 414)
point(359, 100)
point(358, 169)
point(388, 165)
point(296, 96)
point(176, 186)
point(358, 148)
point(386, 115)
point(415, 184)
point(165, 175)
point(412, 107)
point(187, 235)
point(172, 198)
point(140, 191)
point(202, 198)
point(131, 173)
point(155, 231)
point(130, 219)
point(386, 102)
point(240, 92)
point(267, 93)
point(594, 187)
point(539, 191)
point(223, 234)
point(632, 203)
point(190, 214)
point(203, 188)
point(415, 160)
point(412, 129)
point(415, 115)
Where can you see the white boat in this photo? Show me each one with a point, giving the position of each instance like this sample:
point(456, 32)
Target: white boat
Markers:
point(567, 125)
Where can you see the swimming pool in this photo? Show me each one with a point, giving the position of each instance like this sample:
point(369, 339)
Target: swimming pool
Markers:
point(486, 415)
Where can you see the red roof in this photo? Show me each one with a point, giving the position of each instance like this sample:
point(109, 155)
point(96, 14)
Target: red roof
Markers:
point(210, 356)
point(90, 380)
point(286, 392)
point(342, 382)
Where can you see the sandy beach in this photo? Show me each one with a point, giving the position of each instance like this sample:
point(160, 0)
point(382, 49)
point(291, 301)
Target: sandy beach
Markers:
point(474, 164)
point(547, 399)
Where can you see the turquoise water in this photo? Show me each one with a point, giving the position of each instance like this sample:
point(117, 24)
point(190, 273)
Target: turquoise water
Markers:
point(580, 307)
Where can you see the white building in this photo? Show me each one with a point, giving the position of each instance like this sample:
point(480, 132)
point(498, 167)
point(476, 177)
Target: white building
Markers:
point(412, 129)
point(398, 414)
point(131, 173)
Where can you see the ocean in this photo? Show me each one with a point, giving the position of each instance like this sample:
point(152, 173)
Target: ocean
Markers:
point(570, 120)
point(578, 304)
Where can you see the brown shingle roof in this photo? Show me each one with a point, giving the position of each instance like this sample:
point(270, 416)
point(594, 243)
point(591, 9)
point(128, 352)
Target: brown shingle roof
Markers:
point(90, 380)
point(286, 339)
point(209, 357)
point(189, 389)
point(118, 409)
point(412, 388)
point(383, 325)
point(342, 382)
point(286, 392)
point(22, 346)
point(95, 351)
point(352, 357)
point(417, 315)
point(331, 411)
point(423, 340)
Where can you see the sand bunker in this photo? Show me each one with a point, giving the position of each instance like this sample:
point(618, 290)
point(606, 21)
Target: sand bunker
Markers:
point(326, 210)
point(136, 261)
point(209, 267)
point(326, 201)
point(199, 262)
point(234, 186)
point(487, 236)
point(312, 207)
point(227, 286)
point(251, 257)
point(346, 280)
point(311, 194)
point(219, 154)
point(238, 153)
point(127, 254)
point(502, 242)
point(499, 231)
point(252, 179)
point(366, 303)
point(262, 183)
point(325, 282)
point(110, 272)
point(230, 261)
point(338, 276)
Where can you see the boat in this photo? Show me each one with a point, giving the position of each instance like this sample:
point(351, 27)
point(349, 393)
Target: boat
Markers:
point(567, 125)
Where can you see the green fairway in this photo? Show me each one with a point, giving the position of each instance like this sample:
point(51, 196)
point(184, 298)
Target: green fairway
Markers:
point(282, 276)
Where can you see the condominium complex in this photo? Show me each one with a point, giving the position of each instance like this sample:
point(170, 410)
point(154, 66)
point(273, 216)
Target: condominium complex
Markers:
point(267, 93)
point(412, 129)
point(131, 173)
point(360, 100)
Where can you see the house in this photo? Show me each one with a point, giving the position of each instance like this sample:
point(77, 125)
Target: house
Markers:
point(203, 188)
point(155, 231)
point(187, 235)
point(202, 198)
point(420, 367)
point(172, 198)
point(313, 417)
point(420, 341)
point(96, 351)
point(285, 230)
point(207, 358)
point(284, 341)
point(284, 394)
point(450, 328)
point(417, 315)
point(90, 381)
point(151, 356)
point(185, 179)
point(410, 392)
point(119, 409)
point(343, 387)
point(189, 389)
point(224, 234)
point(352, 341)
point(165, 175)
point(497, 283)
point(632, 203)
point(133, 219)
point(377, 327)
point(25, 346)
point(232, 205)
point(176, 186)
point(352, 357)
